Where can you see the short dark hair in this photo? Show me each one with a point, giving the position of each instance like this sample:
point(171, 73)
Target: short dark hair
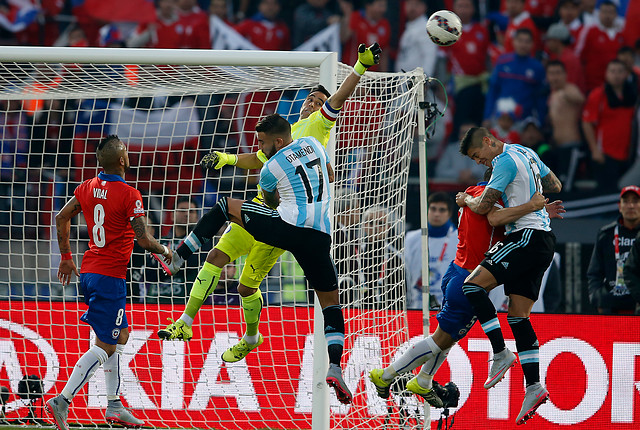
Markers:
point(473, 138)
point(616, 61)
point(520, 31)
point(109, 151)
point(321, 89)
point(188, 199)
point(439, 197)
point(109, 140)
point(563, 3)
point(556, 63)
point(608, 3)
point(625, 50)
point(273, 124)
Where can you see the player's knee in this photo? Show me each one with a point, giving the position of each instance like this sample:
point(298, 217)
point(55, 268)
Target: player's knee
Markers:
point(218, 258)
point(123, 338)
point(245, 291)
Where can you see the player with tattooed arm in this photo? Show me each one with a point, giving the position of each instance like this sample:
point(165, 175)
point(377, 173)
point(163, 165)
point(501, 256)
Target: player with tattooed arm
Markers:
point(115, 216)
point(519, 261)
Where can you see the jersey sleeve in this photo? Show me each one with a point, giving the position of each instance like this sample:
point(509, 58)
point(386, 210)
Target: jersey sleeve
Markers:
point(504, 171)
point(268, 181)
point(321, 122)
point(544, 169)
point(134, 206)
point(79, 192)
point(261, 156)
point(590, 111)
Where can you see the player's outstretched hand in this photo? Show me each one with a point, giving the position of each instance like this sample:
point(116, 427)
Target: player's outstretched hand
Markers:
point(555, 208)
point(65, 269)
point(217, 160)
point(367, 57)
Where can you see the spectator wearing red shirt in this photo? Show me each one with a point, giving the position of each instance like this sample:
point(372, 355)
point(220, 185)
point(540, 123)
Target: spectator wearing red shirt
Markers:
point(569, 12)
point(519, 18)
point(468, 65)
point(166, 32)
point(556, 44)
point(599, 44)
point(606, 123)
point(264, 29)
point(195, 25)
point(365, 26)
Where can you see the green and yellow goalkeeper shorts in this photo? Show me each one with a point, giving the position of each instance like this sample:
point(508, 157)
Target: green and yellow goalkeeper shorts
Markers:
point(261, 259)
point(235, 242)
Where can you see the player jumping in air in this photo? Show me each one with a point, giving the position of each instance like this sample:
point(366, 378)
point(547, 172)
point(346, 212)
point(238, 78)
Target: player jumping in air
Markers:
point(115, 216)
point(295, 180)
point(318, 115)
point(518, 262)
point(476, 234)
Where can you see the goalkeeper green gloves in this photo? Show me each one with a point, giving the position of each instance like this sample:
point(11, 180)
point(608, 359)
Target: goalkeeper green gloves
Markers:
point(218, 160)
point(367, 57)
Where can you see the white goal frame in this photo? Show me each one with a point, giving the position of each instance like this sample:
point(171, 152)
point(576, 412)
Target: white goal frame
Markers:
point(327, 62)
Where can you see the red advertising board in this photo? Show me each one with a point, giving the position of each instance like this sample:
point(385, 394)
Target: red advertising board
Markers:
point(589, 364)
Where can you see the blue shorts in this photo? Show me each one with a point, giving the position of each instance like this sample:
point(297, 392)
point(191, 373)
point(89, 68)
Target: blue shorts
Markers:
point(106, 297)
point(456, 316)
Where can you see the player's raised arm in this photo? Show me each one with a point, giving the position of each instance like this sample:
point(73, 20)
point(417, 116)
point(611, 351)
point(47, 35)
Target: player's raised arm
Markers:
point(63, 229)
point(367, 57)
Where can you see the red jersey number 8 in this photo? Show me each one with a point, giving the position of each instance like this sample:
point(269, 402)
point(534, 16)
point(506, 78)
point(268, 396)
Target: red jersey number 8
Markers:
point(98, 230)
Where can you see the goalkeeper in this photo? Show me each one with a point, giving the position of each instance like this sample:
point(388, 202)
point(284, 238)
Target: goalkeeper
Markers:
point(318, 114)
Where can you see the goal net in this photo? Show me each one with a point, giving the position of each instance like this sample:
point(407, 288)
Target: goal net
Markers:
point(55, 110)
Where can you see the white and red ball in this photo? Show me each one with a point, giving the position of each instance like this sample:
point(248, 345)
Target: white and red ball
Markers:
point(444, 28)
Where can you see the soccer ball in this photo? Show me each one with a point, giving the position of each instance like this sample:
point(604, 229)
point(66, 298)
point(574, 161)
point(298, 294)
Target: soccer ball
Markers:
point(444, 28)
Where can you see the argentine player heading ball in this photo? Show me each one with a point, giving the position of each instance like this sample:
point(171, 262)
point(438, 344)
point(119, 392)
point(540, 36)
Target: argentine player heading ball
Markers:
point(444, 28)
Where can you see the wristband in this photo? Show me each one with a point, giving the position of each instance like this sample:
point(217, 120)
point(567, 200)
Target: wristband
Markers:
point(359, 68)
point(66, 256)
point(165, 250)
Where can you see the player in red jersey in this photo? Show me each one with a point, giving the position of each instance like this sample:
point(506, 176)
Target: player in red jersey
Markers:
point(476, 234)
point(115, 216)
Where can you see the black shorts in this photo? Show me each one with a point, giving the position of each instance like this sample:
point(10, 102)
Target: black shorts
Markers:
point(520, 260)
point(311, 248)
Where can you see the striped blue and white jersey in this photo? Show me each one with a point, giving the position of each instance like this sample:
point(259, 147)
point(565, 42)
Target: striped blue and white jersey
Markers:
point(517, 172)
point(299, 173)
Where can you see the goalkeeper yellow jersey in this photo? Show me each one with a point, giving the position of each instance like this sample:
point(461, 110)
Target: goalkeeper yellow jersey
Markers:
point(318, 125)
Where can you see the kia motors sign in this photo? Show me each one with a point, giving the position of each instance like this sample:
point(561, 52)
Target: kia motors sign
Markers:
point(588, 363)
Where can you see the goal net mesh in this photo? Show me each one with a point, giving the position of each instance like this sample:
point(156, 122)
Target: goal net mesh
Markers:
point(51, 118)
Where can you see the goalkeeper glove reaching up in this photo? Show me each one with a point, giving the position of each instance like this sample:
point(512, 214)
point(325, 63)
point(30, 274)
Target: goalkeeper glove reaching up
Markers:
point(367, 57)
point(218, 160)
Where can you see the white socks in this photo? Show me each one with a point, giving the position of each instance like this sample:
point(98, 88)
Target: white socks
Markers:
point(425, 377)
point(112, 374)
point(84, 370)
point(414, 357)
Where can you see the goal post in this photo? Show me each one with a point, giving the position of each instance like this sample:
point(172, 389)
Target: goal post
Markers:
point(171, 107)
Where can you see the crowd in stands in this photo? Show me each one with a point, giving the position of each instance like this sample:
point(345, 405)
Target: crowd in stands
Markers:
point(518, 62)
point(560, 76)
